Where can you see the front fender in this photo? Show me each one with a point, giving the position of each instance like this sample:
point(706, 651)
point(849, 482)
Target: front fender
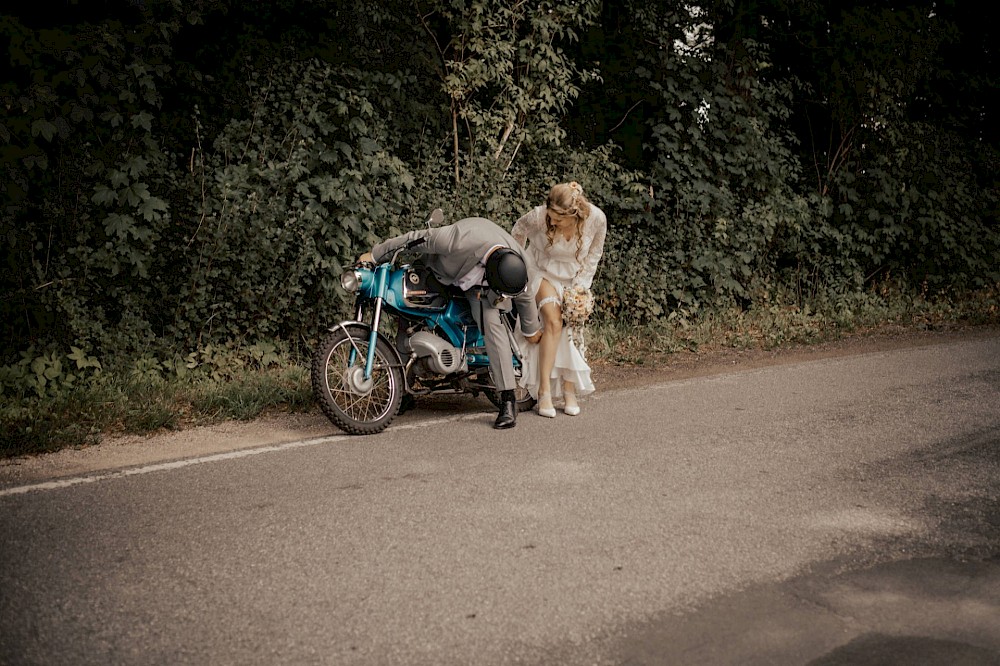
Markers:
point(362, 330)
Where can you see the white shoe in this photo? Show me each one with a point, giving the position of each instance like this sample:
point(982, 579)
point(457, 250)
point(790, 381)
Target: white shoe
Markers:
point(571, 407)
point(548, 412)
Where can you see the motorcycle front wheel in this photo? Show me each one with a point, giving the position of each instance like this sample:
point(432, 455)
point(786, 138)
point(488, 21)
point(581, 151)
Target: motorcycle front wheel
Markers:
point(355, 404)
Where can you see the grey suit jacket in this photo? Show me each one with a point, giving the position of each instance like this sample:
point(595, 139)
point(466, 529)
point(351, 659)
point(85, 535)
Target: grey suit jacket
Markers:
point(453, 250)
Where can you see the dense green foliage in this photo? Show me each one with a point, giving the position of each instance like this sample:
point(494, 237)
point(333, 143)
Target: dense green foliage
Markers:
point(182, 175)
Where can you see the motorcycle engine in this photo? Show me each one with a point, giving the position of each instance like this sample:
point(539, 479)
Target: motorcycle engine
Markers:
point(435, 354)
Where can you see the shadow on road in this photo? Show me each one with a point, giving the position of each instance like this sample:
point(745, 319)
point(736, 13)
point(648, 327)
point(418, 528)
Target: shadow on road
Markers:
point(932, 600)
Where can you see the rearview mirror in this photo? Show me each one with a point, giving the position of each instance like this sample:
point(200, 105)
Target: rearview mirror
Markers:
point(436, 218)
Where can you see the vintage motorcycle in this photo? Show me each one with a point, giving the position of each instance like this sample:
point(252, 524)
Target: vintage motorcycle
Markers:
point(363, 371)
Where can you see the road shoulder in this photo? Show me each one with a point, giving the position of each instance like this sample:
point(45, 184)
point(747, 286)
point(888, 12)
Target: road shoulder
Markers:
point(132, 451)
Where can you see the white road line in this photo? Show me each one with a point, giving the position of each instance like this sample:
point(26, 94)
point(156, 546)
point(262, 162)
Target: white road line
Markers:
point(231, 455)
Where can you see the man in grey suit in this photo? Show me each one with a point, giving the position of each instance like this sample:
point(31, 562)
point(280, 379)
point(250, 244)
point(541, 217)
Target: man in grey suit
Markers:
point(489, 266)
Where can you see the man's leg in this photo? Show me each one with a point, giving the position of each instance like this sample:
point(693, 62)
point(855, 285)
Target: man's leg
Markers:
point(497, 343)
point(501, 358)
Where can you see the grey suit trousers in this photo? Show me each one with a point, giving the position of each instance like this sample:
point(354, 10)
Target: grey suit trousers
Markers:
point(498, 344)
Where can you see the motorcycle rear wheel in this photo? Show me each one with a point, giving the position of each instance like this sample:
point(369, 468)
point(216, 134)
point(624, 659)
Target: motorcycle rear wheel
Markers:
point(521, 396)
point(356, 405)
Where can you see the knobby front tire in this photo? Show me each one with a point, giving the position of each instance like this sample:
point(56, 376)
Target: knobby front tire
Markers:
point(356, 409)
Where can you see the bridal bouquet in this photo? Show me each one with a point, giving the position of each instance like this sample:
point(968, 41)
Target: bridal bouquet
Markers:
point(577, 304)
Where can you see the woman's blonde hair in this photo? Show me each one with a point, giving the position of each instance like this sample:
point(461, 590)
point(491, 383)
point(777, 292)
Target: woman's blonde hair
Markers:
point(567, 199)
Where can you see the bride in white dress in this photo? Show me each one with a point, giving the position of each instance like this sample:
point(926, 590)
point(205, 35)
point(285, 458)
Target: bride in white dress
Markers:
point(565, 238)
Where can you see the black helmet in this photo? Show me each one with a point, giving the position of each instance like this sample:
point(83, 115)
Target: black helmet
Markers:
point(505, 272)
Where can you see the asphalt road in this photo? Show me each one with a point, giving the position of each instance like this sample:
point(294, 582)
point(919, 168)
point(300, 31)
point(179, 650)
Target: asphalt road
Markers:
point(841, 511)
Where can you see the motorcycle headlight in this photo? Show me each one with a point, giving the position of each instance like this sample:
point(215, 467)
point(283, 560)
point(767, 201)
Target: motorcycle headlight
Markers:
point(350, 280)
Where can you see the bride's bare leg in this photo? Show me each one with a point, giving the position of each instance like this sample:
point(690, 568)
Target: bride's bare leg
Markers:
point(571, 406)
point(551, 313)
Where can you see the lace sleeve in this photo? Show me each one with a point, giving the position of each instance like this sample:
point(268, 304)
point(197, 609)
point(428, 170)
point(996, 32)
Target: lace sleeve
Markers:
point(529, 222)
point(596, 232)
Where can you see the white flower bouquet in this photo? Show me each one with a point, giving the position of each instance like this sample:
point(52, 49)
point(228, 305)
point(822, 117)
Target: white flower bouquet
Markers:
point(577, 305)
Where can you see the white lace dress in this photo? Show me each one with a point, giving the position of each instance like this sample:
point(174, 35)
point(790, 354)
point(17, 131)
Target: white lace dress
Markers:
point(564, 265)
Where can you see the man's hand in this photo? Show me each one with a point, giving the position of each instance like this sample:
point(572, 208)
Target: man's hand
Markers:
point(534, 338)
point(366, 258)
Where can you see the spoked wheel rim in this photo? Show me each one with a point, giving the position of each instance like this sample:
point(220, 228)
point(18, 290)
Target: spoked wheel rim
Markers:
point(521, 395)
point(359, 398)
point(524, 400)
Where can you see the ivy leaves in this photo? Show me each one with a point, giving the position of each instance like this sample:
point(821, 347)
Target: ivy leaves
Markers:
point(291, 198)
point(150, 204)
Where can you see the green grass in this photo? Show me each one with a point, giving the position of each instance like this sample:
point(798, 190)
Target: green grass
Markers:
point(127, 405)
point(244, 384)
point(782, 323)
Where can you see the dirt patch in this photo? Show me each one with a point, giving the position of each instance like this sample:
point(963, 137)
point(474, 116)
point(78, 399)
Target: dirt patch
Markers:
point(713, 361)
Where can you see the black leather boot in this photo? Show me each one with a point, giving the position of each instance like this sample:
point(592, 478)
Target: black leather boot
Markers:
point(507, 418)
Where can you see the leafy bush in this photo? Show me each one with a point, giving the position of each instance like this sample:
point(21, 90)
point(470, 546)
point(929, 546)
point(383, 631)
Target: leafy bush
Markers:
point(148, 221)
point(286, 200)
